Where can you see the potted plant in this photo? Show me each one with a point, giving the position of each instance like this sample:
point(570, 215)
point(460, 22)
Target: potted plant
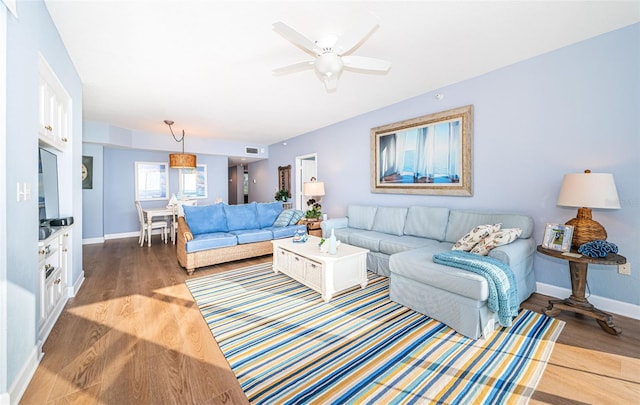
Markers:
point(314, 211)
point(282, 195)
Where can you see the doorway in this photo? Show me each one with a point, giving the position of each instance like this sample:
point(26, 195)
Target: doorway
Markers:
point(306, 168)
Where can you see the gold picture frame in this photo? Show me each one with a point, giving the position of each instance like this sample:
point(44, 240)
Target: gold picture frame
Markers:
point(429, 155)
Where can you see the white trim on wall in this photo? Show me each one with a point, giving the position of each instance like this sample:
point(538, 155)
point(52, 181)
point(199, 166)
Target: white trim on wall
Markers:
point(602, 303)
point(4, 395)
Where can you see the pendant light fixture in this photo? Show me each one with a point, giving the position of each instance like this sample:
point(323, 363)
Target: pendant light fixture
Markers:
point(180, 160)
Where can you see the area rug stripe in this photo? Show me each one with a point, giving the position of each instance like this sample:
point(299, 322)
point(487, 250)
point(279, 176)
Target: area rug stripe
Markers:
point(286, 345)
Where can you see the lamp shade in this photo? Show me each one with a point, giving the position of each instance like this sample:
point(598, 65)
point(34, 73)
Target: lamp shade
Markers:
point(590, 190)
point(182, 161)
point(313, 188)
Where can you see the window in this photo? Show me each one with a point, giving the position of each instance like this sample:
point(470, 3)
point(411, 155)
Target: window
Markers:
point(152, 181)
point(193, 182)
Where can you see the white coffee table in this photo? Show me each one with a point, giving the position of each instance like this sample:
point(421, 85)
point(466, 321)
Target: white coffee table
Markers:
point(325, 273)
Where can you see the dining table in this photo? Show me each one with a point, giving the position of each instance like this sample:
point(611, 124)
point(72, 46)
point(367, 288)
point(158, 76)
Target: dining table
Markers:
point(149, 213)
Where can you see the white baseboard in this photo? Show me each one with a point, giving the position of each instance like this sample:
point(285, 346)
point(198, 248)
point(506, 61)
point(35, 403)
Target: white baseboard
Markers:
point(603, 303)
point(110, 236)
point(92, 241)
point(130, 234)
point(4, 398)
point(73, 290)
point(20, 384)
point(121, 235)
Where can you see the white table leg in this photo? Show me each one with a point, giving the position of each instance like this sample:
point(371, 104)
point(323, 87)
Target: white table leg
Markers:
point(149, 221)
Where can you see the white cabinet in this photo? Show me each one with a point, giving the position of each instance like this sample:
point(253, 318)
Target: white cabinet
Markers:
point(53, 254)
point(54, 108)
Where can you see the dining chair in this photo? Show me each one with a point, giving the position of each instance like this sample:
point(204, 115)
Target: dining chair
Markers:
point(144, 230)
point(179, 212)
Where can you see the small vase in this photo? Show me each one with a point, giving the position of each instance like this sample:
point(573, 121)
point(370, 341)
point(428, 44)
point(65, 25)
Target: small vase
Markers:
point(332, 243)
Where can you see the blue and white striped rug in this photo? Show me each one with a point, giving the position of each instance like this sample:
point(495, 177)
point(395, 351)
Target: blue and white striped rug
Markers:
point(286, 345)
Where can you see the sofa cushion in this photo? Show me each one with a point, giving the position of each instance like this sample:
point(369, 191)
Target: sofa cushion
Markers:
point(495, 239)
point(268, 213)
point(280, 232)
point(427, 222)
point(212, 240)
point(460, 221)
point(243, 216)
point(390, 220)
point(206, 218)
point(418, 265)
point(342, 234)
point(395, 244)
point(361, 217)
point(366, 239)
point(474, 236)
point(252, 235)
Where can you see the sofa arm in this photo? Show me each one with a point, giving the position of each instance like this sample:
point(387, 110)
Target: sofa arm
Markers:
point(333, 223)
point(515, 252)
point(184, 232)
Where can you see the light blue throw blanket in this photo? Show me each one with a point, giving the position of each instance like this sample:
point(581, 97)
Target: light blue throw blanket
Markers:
point(502, 285)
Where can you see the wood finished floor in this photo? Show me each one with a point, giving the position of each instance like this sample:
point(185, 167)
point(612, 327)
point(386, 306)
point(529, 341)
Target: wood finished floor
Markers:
point(133, 335)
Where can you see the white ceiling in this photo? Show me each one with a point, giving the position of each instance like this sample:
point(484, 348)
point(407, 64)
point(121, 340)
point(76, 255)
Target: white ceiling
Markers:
point(207, 64)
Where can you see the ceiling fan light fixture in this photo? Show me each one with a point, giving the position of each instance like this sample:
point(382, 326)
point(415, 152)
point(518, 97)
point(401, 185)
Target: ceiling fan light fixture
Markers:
point(329, 64)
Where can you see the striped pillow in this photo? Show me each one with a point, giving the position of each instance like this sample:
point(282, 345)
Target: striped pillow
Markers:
point(284, 218)
point(297, 216)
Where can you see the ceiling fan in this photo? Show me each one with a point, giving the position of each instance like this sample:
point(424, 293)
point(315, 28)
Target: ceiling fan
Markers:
point(332, 52)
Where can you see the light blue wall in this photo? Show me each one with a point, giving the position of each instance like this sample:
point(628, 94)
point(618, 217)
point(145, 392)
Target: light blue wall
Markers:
point(119, 183)
point(573, 109)
point(31, 33)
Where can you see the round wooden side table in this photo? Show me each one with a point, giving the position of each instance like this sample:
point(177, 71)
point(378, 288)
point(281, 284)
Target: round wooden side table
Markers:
point(577, 302)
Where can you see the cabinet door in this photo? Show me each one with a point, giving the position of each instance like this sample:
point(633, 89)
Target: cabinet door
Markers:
point(281, 260)
point(297, 267)
point(46, 101)
point(54, 109)
point(61, 122)
point(313, 274)
point(57, 289)
point(43, 295)
point(65, 257)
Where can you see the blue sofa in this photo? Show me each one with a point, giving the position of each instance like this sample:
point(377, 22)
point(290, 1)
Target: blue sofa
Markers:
point(221, 233)
point(402, 242)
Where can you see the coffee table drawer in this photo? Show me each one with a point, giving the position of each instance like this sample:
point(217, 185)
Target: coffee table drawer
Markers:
point(313, 275)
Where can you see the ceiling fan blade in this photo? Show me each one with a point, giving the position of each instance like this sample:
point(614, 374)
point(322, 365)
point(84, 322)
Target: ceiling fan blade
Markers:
point(366, 63)
point(330, 83)
point(356, 35)
point(297, 38)
point(296, 67)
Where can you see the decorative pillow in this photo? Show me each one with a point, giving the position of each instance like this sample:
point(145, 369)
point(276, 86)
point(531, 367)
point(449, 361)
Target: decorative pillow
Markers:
point(297, 216)
point(495, 239)
point(468, 241)
point(284, 218)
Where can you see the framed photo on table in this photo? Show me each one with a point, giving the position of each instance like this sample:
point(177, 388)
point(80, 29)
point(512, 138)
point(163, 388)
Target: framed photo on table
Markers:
point(558, 237)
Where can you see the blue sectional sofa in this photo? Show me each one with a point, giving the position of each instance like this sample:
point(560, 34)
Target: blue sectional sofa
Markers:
point(221, 233)
point(402, 243)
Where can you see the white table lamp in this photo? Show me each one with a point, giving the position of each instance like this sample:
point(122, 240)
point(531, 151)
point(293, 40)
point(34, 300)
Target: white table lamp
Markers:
point(586, 191)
